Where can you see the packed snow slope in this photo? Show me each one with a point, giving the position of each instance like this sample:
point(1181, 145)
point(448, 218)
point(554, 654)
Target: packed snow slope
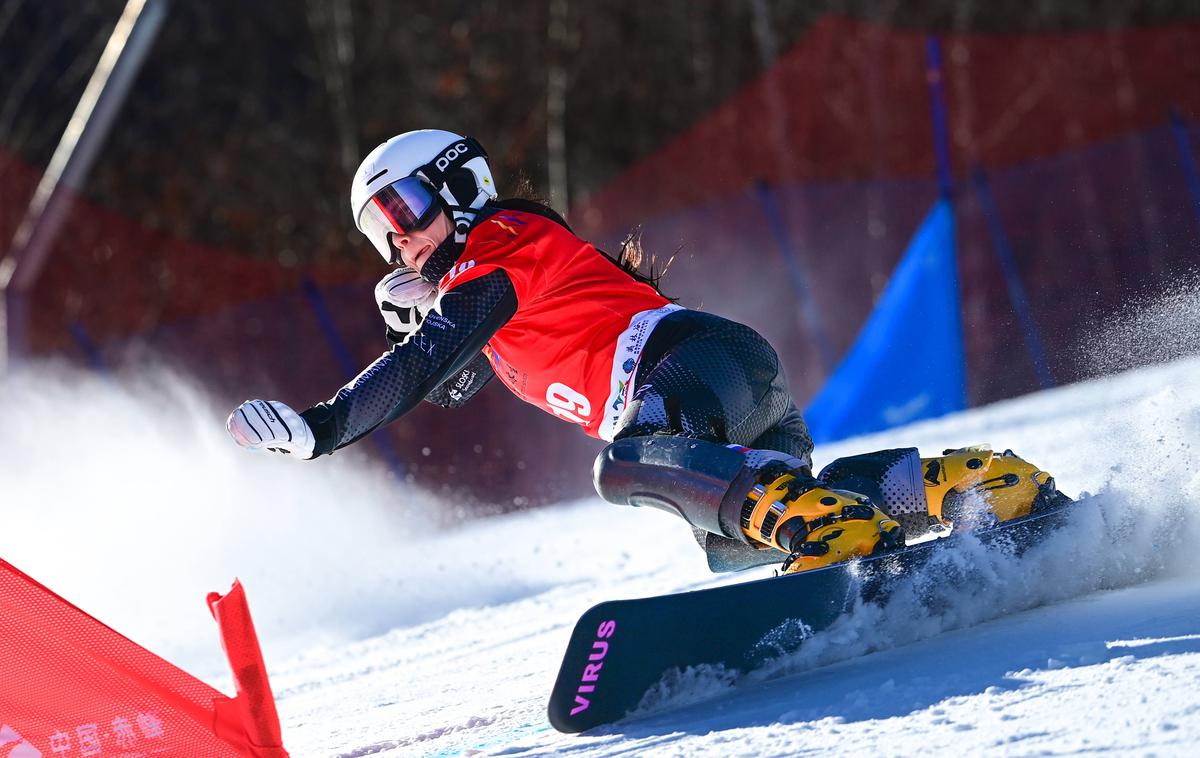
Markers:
point(391, 630)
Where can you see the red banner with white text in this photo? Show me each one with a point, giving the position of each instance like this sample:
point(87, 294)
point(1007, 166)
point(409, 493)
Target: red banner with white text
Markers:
point(74, 688)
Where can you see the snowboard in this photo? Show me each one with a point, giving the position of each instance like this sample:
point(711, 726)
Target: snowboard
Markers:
point(620, 649)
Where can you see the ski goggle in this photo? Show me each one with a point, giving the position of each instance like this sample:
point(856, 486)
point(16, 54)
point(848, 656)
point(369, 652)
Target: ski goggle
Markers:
point(404, 206)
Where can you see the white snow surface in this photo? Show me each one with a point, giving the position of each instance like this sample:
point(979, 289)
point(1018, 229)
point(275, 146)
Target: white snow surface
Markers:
point(391, 630)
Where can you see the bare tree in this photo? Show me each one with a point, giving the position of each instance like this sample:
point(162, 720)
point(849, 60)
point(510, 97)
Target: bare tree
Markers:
point(331, 25)
point(560, 43)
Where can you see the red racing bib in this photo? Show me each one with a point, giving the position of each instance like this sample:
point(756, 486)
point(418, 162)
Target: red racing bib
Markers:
point(573, 345)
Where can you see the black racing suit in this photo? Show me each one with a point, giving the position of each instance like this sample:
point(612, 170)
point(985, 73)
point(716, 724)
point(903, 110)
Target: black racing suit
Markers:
point(711, 378)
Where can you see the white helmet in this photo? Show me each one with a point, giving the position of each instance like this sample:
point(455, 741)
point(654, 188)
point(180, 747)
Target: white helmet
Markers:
point(404, 183)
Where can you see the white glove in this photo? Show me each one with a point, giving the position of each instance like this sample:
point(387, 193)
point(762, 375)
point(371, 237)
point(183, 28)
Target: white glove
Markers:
point(404, 298)
point(271, 425)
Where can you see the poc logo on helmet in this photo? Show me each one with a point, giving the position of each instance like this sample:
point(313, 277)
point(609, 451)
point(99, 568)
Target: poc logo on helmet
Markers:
point(454, 151)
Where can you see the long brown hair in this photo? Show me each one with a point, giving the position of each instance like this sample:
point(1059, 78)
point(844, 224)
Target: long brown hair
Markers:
point(631, 256)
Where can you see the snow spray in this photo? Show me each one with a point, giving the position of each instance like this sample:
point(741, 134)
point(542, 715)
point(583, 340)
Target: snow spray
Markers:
point(129, 498)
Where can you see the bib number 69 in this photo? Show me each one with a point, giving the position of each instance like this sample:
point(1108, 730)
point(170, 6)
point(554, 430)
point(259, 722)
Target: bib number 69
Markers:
point(567, 403)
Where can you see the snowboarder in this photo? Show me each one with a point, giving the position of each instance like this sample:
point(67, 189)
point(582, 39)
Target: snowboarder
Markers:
point(696, 407)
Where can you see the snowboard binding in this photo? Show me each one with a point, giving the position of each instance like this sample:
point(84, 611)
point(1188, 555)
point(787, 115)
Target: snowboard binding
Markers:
point(747, 512)
point(1009, 486)
point(815, 525)
point(969, 485)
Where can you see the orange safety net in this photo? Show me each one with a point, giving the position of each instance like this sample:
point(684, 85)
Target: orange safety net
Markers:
point(72, 687)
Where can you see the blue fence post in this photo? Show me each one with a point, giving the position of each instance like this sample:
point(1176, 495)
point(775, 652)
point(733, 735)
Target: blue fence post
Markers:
point(346, 362)
point(934, 78)
point(808, 308)
point(937, 104)
point(1187, 158)
point(1012, 279)
point(88, 347)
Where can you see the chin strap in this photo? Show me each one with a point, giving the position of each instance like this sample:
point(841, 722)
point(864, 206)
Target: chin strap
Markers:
point(463, 216)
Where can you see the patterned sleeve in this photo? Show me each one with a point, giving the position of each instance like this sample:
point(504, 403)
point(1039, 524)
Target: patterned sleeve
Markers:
point(458, 388)
point(448, 343)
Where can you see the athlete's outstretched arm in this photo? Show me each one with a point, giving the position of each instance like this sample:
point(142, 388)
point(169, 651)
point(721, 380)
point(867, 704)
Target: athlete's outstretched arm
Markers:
point(459, 387)
point(391, 386)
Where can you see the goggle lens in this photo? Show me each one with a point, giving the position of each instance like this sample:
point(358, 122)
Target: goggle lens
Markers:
point(402, 207)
